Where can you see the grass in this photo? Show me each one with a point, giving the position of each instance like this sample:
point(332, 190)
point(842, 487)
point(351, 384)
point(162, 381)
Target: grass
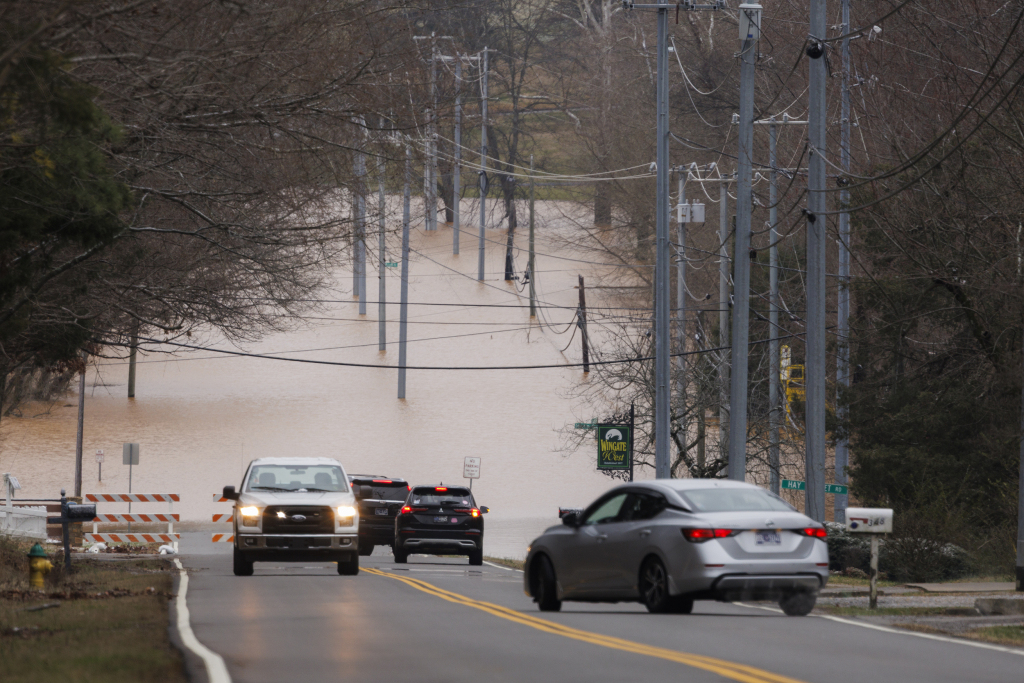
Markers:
point(838, 580)
point(506, 562)
point(110, 626)
point(1001, 635)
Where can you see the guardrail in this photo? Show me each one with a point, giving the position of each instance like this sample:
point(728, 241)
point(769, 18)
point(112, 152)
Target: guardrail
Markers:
point(223, 518)
point(122, 537)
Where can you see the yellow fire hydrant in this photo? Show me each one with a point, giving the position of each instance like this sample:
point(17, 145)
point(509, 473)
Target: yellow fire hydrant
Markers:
point(38, 566)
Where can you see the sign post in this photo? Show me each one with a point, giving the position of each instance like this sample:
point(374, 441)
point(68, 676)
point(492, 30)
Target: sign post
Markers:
point(99, 461)
point(471, 469)
point(130, 457)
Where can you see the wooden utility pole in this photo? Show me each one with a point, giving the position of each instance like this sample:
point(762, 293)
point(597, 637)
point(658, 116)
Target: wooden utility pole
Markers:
point(134, 349)
point(81, 425)
point(582, 323)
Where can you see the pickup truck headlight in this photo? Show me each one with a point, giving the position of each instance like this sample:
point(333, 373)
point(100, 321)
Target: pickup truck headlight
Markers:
point(250, 515)
point(346, 515)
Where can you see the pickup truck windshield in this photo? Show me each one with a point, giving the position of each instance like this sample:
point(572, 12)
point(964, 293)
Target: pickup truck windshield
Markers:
point(296, 478)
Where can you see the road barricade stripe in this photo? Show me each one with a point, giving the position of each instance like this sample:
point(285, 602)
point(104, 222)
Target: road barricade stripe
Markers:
point(137, 517)
point(218, 498)
point(132, 497)
point(731, 670)
point(133, 538)
point(224, 517)
point(223, 538)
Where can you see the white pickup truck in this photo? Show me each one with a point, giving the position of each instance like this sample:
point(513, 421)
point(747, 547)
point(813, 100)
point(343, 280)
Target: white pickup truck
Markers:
point(295, 510)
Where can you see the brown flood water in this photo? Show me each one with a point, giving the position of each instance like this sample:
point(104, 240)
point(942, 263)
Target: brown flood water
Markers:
point(200, 417)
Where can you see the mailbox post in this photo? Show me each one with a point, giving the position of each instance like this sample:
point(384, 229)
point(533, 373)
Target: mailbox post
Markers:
point(874, 521)
point(69, 513)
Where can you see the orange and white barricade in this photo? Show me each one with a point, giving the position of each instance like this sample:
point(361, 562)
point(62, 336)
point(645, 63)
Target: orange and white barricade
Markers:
point(223, 518)
point(120, 537)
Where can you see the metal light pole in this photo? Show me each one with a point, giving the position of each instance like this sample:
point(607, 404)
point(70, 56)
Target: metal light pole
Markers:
point(814, 360)
point(533, 290)
point(403, 317)
point(843, 312)
point(457, 166)
point(750, 25)
point(684, 174)
point(361, 230)
point(483, 164)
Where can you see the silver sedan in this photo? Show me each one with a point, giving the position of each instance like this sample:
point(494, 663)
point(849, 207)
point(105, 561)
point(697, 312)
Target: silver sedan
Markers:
point(669, 542)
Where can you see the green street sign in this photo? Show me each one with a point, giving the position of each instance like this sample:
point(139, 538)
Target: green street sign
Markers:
point(836, 488)
point(391, 264)
point(794, 485)
point(614, 447)
point(586, 425)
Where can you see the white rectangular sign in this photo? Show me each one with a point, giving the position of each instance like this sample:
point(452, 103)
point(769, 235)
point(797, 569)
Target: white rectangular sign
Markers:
point(471, 468)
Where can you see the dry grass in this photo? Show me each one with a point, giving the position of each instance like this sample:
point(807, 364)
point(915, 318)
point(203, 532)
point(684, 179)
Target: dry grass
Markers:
point(506, 562)
point(1001, 635)
point(111, 624)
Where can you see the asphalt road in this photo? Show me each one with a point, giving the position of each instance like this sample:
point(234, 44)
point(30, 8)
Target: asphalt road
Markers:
point(438, 619)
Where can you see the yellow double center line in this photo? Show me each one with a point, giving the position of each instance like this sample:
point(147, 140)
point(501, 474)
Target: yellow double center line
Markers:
point(737, 672)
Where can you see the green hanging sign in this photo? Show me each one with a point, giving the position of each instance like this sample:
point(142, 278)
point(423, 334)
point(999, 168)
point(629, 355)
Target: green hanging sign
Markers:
point(614, 447)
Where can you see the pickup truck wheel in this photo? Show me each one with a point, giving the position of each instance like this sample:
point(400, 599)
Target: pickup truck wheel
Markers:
point(349, 568)
point(242, 566)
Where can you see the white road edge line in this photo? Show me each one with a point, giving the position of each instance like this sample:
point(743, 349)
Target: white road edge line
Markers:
point(508, 569)
point(216, 670)
point(886, 629)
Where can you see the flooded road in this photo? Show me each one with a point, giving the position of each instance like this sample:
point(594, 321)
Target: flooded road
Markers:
point(201, 417)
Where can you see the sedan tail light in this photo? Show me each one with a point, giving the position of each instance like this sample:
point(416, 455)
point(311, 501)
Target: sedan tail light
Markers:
point(701, 535)
point(813, 531)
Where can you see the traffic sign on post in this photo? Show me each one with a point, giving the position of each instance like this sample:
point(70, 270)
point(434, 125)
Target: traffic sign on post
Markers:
point(836, 488)
point(794, 485)
point(471, 468)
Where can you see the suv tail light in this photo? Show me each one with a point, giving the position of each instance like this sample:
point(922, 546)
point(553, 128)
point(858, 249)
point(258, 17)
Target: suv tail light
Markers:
point(701, 535)
point(813, 531)
point(407, 509)
point(472, 512)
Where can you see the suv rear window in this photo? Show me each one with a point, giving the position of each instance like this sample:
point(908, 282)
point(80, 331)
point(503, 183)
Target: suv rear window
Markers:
point(393, 492)
point(734, 500)
point(453, 497)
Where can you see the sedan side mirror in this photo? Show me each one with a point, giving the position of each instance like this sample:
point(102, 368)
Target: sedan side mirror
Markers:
point(484, 509)
point(365, 491)
point(230, 493)
point(571, 519)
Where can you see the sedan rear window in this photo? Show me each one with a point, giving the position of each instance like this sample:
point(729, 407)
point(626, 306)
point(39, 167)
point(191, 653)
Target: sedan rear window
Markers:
point(734, 500)
point(451, 498)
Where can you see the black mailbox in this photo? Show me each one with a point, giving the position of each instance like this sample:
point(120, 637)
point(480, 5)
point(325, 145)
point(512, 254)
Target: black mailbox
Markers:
point(80, 512)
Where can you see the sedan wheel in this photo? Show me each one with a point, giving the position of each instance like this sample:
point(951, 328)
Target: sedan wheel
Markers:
point(654, 589)
point(545, 588)
point(798, 604)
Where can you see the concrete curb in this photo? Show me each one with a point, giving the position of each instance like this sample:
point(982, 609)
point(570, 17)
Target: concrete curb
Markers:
point(195, 669)
point(213, 666)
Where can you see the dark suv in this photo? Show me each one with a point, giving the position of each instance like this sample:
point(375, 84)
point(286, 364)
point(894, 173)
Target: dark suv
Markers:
point(380, 499)
point(440, 520)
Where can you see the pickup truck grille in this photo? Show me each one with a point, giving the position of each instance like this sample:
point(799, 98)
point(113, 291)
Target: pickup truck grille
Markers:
point(318, 520)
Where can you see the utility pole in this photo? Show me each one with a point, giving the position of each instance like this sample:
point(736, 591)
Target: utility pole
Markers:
point(457, 166)
point(531, 266)
point(381, 260)
point(582, 324)
point(773, 313)
point(843, 312)
point(1020, 505)
point(723, 316)
point(662, 368)
point(814, 360)
point(483, 163)
point(403, 317)
point(431, 194)
point(81, 425)
point(750, 27)
point(132, 353)
point(684, 174)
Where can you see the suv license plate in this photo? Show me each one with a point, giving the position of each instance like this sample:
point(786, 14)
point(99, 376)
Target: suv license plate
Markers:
point(767, 538)
point(439, 520)
point(381, 511)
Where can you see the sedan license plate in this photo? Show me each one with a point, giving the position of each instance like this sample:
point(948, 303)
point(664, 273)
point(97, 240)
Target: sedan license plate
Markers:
point(439, 520)
point(767, 538)
point(383, 512)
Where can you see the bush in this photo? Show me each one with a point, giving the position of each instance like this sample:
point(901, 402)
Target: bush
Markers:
point(902, 557)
